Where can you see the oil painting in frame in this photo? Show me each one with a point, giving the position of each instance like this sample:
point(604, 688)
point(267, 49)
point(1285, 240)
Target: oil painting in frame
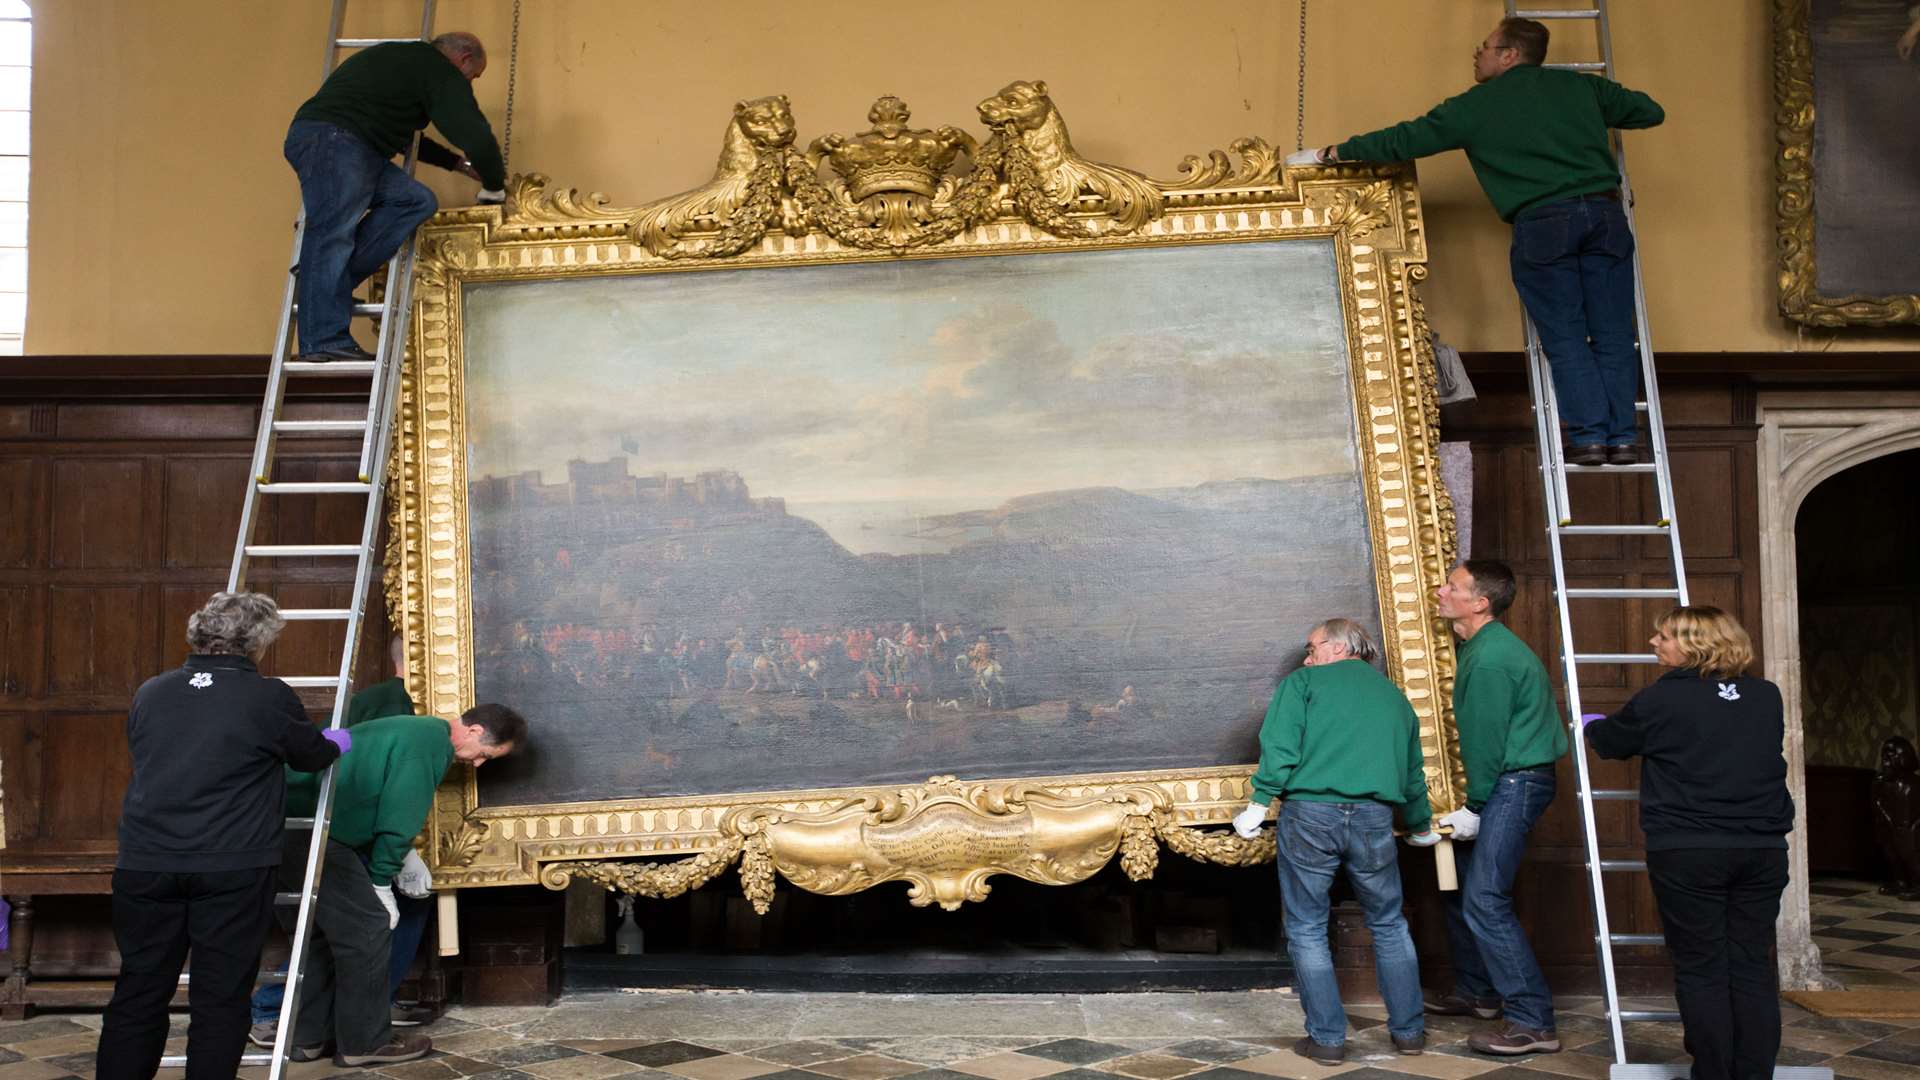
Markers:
point(1847, 206)
point(909, 507)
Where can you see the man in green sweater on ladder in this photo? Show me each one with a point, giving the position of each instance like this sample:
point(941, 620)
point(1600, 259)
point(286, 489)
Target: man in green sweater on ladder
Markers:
point(1341, 748)
point(1537, 140)
point(1510, 738)
point(378, 808)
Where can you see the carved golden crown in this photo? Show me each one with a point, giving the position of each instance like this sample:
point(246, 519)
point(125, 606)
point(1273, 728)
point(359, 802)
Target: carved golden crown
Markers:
point(891, 156)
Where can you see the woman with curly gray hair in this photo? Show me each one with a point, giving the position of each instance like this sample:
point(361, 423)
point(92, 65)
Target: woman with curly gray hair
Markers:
point(200, 836)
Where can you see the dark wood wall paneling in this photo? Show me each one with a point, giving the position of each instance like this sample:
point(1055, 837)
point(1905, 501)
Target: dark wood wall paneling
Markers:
point(120, 492)
point(120, 485)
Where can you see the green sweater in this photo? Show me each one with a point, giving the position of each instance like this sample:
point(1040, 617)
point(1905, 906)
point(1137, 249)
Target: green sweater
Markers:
point(1533, 135)
point(1503, 707)
point(386, 93)
point(1342, 732)
point(383, 789)
point(381, 699)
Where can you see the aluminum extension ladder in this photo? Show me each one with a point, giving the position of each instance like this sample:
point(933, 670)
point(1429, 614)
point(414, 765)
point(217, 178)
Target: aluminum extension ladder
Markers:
point(376, 438)
point(1560, 525)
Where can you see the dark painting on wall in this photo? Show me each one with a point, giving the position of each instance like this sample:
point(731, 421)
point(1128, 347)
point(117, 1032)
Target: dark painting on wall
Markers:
point(1866, 146)
point(824, 527)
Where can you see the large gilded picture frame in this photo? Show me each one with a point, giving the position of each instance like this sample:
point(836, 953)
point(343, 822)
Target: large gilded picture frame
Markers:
point(1847, 174)
point(901, 196)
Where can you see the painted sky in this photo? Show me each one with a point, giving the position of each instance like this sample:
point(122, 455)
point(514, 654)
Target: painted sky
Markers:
point(976, 379)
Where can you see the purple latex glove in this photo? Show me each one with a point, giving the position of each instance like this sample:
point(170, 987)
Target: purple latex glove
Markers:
point(339, 738)
point(1588, 718)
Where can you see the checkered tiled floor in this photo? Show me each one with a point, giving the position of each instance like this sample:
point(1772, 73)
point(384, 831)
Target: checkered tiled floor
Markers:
point(742, 1036)
point(1866, 939)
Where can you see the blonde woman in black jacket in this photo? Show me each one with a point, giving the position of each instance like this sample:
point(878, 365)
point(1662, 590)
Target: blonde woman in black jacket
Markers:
point(1715, 809)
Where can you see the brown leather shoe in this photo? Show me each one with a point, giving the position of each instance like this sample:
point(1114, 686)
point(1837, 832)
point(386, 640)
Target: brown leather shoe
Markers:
point(1454, 1003)
point(399, 1048)
point(1409, 1046)
point(1589, 454)
point(1623, 455)
point(1512, 1040)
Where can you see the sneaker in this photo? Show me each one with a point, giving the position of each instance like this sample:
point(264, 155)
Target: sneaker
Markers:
point(1514, 1040)
point(413, 1015)
point(349, 351)
point(1588, 454)
point(398, 1048)
point(1623, 455)
point(262, 1034)
point(1409, 1045)
point(1454, 1003)
point(310, 1053)
point(1313, 1051)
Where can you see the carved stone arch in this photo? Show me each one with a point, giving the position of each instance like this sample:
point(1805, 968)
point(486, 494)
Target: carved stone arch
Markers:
point(1804, 441)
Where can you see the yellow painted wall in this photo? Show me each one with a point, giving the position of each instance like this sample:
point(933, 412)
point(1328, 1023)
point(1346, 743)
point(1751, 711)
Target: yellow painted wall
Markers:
point(161, 207)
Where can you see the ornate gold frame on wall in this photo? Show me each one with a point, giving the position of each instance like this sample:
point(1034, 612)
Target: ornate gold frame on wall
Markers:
point(899, 192)
point(1793, 197)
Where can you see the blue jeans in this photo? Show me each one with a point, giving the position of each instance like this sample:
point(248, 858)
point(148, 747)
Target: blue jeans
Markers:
point(1491, 957)
point(1315, 839)
point(406, 943)
point(1573, 267)
point(360, 208)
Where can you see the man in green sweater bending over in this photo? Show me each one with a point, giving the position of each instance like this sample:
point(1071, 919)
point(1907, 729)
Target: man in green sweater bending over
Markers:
point(1341, 748)
point(1537, 140)
point(378, 808)
point(1510, 737)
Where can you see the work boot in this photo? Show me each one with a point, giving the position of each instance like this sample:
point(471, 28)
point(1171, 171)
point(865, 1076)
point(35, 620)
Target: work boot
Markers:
point(350, 351)
point(310, 1053)
point(1320, 1052)
point(1588, 454)
point(1514, 1040)
point(262, 1034)
point(1409, 1045)
point(1623, 455)
point(399, 1048)
point(1454, 1003)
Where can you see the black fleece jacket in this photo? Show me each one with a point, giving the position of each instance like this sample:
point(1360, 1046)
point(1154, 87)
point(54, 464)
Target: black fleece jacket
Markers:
point(1714, 775)
point(209, 742)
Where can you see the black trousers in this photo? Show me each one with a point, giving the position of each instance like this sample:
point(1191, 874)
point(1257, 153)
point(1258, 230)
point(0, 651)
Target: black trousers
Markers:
point(344, 997)
point(157, 918)
point(1717, 906)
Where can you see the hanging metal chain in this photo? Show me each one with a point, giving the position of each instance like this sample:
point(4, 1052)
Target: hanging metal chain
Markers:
point(513, 72)
point(1300, 103)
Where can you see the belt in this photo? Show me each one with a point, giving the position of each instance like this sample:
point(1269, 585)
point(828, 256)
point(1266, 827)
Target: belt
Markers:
point(1548, 769)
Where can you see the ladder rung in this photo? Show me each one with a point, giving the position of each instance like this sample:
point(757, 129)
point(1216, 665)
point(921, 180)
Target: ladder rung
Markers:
point(1615, 530)
point(358, 309)
point(297, 551)
point(1637, 939)
point(317, 614)
point(287, 899)
point(1598, 795)
point(1620, 594)
point(319, 427)
point(179, 1061)
point(367, 42)
point(1615, 658)
point(299, 823)
point(1648, 1016)
point(315, 487)
point(319, 681)
point(1582, 65)
point(328, 367)
point(1558, 13)
point(1622, 865)
point(1644, 466)
point(263, 977)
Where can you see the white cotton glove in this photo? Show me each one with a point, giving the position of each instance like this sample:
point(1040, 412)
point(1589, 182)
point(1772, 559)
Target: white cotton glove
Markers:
point(385, 893)
point(1306, 157)
point(1466, 823)
point(413, 880)
point(1428, 838)
point(491, 196)
point(1247, 822)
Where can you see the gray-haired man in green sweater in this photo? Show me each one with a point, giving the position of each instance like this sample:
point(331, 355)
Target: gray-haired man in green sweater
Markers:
point(1341, 748)
point(378, 808)
point(1537, 139)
